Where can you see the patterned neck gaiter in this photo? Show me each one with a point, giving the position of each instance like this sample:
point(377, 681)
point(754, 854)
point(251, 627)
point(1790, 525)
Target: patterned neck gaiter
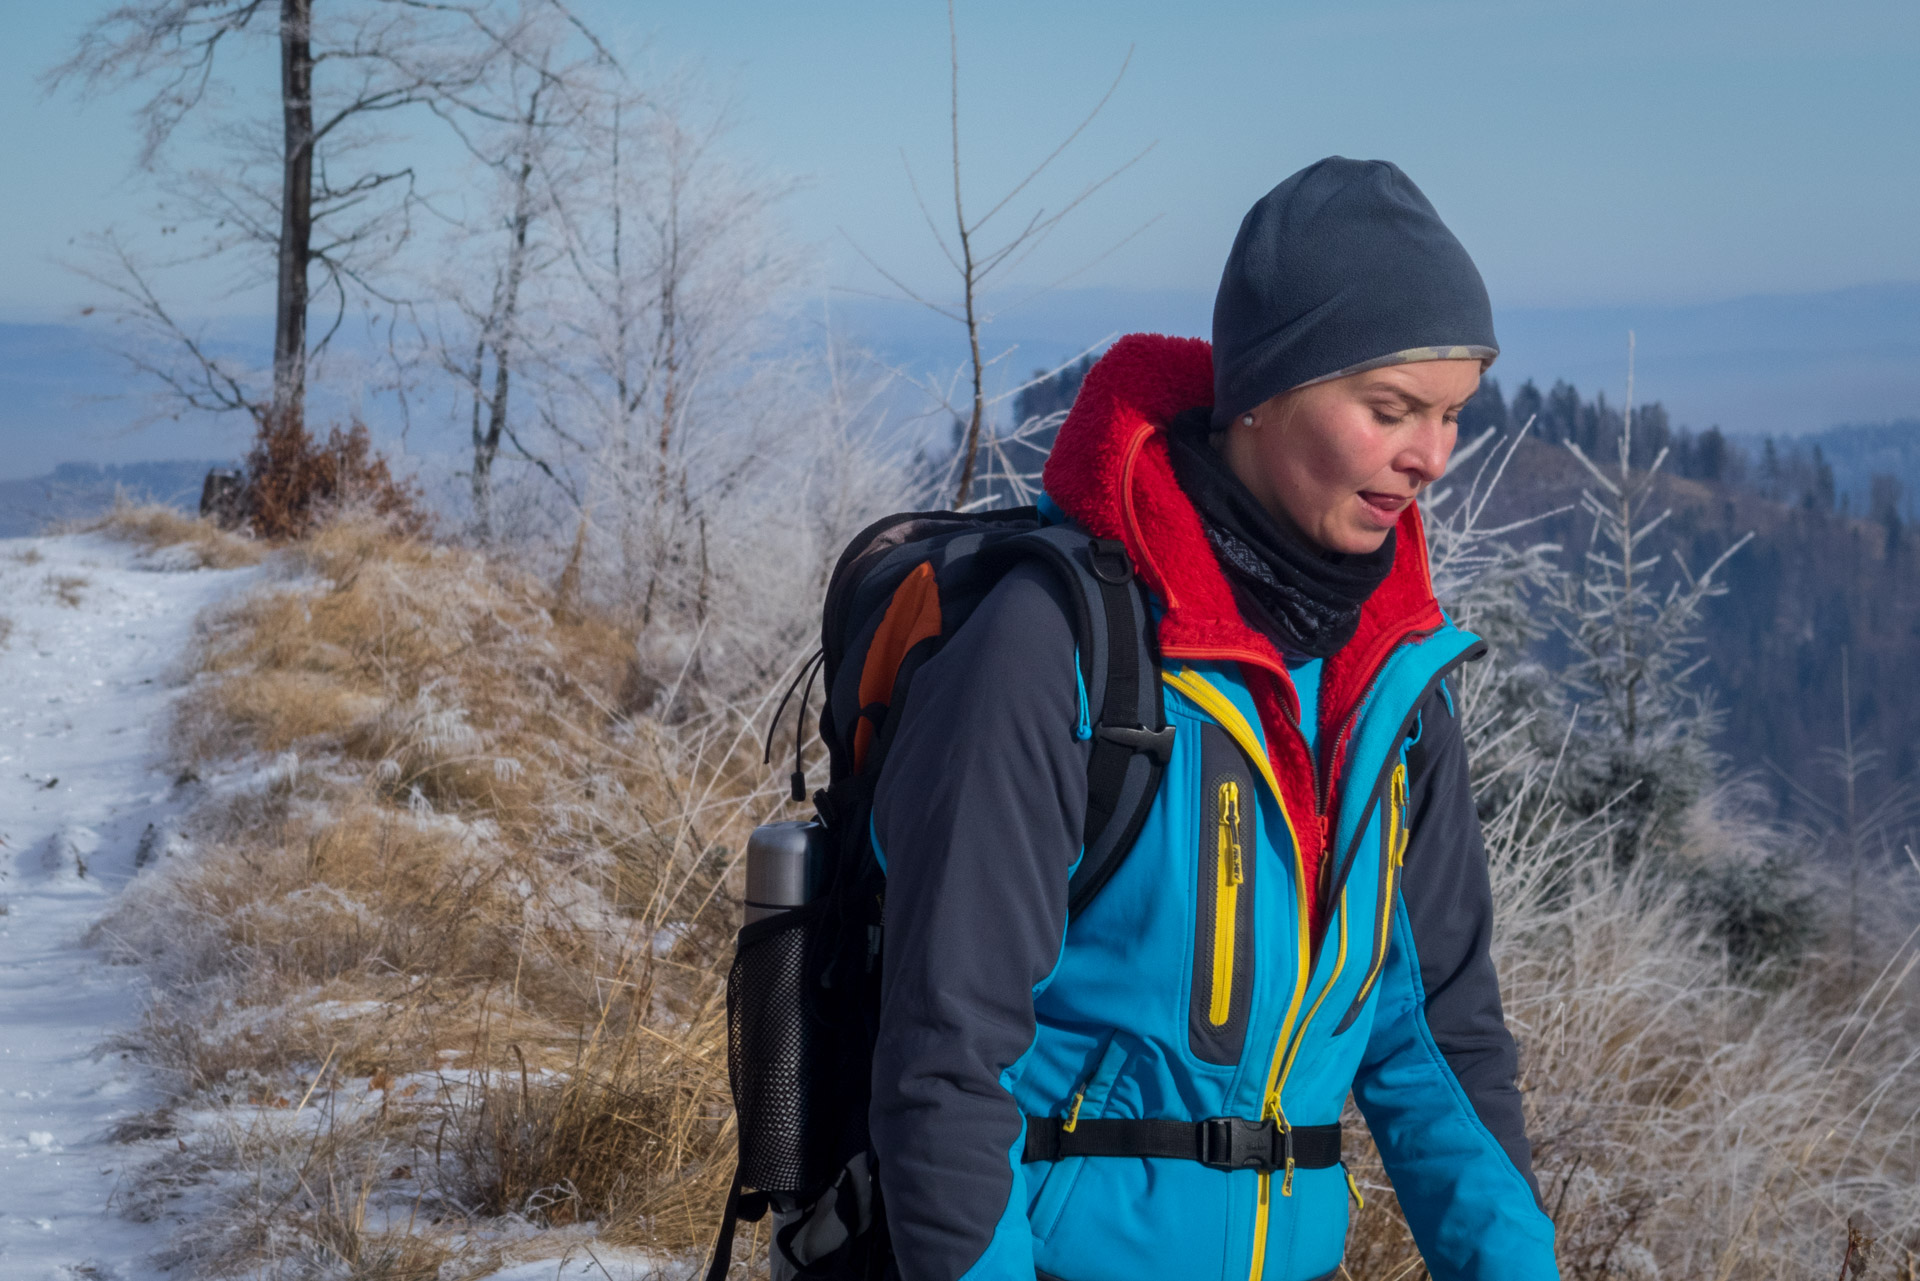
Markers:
point(1306, 600)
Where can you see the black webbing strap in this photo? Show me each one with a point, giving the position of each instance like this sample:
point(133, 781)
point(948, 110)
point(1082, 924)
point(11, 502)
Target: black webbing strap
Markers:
point(1122, 732)
point(1224, 1142)
point(1120, 705)
point(741, 1204)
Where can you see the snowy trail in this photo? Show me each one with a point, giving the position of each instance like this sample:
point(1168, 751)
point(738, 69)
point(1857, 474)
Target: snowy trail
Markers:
point(90, 645)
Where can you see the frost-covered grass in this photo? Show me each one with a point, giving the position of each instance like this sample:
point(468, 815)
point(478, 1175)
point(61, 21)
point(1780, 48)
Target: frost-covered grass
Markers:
point(189, 542)
point(1690, 1120)
point(455, 913)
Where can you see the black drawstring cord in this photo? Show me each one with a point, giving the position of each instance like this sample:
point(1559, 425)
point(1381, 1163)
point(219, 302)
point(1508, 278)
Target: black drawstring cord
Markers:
point(806, 673)
point(799, 779)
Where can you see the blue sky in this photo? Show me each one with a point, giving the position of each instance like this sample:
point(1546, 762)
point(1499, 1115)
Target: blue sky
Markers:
point(1628, 151)
point(1608, 163)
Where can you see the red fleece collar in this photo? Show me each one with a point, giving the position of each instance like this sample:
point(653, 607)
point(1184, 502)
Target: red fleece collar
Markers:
point(1109, 470)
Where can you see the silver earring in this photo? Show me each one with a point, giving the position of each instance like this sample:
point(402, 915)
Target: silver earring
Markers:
point(1247, 419)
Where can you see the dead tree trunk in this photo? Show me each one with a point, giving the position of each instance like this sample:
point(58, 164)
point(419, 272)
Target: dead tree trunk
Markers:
point(486, 442)
point(296, 211)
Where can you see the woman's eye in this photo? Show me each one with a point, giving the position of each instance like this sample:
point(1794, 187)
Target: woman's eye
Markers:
point(1385, 417)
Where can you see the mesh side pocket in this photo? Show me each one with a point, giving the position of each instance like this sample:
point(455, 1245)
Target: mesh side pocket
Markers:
point(773, 1057)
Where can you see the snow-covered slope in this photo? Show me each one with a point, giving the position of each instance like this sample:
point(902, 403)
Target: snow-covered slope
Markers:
point(91, 637)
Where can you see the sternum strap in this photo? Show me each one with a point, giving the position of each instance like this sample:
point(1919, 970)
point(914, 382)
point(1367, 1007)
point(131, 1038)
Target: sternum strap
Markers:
point(1224, 1142)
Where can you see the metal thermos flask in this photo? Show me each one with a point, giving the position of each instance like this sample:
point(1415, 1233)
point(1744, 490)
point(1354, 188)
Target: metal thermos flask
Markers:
point(785, 867)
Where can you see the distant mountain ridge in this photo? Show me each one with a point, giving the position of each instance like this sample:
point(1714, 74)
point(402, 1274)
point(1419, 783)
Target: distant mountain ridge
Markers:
point(79, 491)
point(1858, 452)
point(65, 396)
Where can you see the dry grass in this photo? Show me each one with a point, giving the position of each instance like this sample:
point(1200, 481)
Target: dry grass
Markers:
point(203, 544)
point(471, 887)
point(66, 588)
point(1685, 1124)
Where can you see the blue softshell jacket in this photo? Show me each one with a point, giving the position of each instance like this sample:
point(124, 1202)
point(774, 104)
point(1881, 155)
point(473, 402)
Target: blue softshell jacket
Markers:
point(1201, 981)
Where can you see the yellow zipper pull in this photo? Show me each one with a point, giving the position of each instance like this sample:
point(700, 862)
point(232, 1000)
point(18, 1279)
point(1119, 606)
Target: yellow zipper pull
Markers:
point(1354, 1189)
point(1400, 803)
point(1234, 864)
point(1286, 1182)
point(1073, 1117)
point(1286, 1142)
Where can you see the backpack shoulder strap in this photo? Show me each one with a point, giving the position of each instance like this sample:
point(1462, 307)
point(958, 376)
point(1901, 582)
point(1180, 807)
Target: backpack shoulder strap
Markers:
point(1132, 741)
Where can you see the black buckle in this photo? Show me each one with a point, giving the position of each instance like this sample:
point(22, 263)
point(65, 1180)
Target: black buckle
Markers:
point(1230, 1143)
point(1110, 562)
point(1157, 743)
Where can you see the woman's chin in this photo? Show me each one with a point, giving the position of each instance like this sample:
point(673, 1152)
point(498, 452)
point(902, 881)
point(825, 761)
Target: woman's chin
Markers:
point(1356, 539)
point(1360, 531)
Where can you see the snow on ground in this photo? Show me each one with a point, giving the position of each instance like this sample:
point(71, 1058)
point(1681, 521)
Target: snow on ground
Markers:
point(91, 637)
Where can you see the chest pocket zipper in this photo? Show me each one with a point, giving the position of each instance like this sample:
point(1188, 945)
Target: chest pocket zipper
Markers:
point(1394, 837)
point(1231, 870)
point(1223, 924)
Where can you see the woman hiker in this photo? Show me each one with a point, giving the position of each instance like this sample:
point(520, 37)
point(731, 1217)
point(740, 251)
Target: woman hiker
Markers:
point(1153, 1088)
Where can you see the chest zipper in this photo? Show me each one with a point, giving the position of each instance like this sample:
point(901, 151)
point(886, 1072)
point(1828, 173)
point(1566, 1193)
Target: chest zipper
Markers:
point(1395, 840)
point(1229, 718)
point(1288, 1048)
point(1230, 872)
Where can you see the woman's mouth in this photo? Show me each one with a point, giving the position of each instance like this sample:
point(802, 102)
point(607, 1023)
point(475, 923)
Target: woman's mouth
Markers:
point(1383, 509)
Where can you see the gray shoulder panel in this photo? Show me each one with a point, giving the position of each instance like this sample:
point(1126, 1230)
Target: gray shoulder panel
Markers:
point(1449, 903)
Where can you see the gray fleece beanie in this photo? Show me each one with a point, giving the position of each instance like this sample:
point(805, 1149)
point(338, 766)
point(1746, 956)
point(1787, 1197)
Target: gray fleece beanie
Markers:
point(1343, 267)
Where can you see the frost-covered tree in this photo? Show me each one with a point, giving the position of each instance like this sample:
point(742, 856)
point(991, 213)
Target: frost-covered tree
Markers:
point(673, 365)
point(1643, 748)
point(488, 303)
point(1512, 706)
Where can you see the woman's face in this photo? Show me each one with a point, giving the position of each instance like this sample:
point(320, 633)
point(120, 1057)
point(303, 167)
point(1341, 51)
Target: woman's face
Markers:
point(1342, 459)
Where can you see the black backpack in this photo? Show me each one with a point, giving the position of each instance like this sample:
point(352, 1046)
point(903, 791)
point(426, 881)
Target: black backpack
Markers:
point(803, 995)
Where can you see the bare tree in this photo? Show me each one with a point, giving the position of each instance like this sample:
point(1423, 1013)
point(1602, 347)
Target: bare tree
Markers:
point(977, 260)
point(677, 274)
point(325, 191)
point(489, 315)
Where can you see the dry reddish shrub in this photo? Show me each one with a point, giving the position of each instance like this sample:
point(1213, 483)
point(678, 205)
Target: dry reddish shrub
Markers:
point(295, 483)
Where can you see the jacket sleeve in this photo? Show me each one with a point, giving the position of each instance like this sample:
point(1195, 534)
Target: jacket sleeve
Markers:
point(977, 820)
point(1436, 1083)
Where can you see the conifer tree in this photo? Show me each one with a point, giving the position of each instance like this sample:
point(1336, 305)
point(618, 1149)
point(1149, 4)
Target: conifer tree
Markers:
point(1642, 751)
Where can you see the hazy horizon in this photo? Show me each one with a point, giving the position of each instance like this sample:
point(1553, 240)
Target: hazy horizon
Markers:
point(1763, 364)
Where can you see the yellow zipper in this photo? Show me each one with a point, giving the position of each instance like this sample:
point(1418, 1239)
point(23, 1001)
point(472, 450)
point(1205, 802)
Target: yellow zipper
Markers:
point(1230, 872)
point(1260, 1228)
point(1398, 836)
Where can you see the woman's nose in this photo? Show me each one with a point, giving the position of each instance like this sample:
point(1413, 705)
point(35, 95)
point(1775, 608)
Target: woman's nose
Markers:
point(1427, 451)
